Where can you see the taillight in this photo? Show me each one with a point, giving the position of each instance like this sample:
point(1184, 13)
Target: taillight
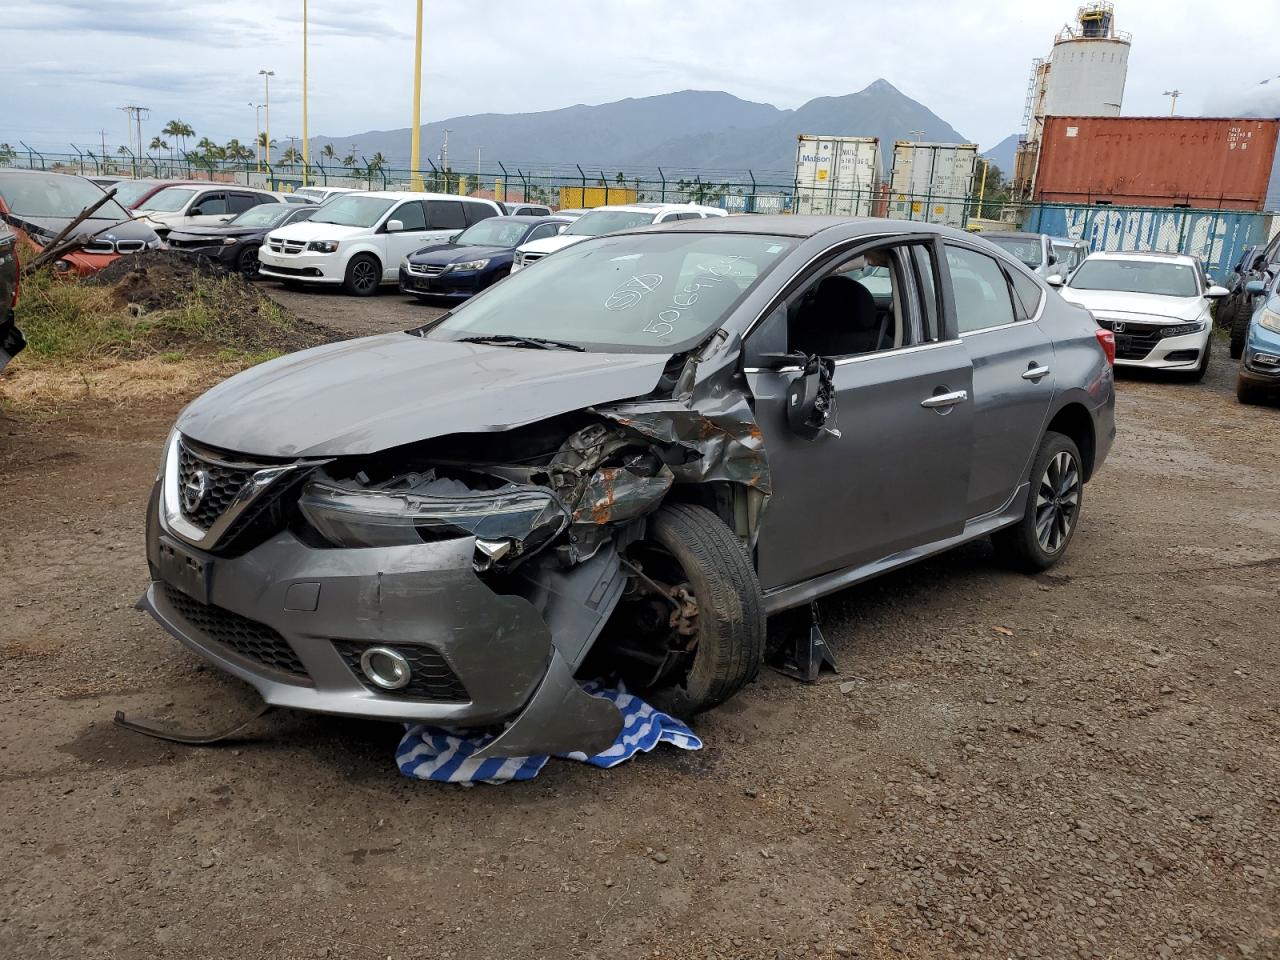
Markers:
point(1108, 341)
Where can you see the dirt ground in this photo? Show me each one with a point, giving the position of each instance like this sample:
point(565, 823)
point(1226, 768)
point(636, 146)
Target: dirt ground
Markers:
point(1083, 763)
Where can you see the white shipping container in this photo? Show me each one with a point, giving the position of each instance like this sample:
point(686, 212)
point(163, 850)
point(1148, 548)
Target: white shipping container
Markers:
point(931, 181)
point(837, 175)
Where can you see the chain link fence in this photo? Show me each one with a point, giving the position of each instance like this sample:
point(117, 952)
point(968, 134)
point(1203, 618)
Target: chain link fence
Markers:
point(1218, 237)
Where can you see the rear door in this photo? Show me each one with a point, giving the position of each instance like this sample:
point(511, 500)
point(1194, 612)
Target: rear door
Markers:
point(895, 474)
point(209, 208)
point(995, 306)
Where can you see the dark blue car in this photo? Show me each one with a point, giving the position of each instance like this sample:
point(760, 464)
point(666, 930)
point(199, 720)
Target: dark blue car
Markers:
point(477, 257)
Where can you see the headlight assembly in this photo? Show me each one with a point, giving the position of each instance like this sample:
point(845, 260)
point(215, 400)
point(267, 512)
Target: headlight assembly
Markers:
point(507, 523)
point(1270, 319)
point(323, 246)
point(230, 242)
point(1182, 329)
point(470, 265)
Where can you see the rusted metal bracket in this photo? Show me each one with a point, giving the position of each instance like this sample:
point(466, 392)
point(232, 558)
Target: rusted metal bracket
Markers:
point(162, 732)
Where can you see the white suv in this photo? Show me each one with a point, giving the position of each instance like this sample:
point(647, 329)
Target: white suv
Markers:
point(358, 239)
point(192, 205)
point(602, 220)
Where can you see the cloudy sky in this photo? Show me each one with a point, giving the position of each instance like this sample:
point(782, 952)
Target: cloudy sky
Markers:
point(67, 65)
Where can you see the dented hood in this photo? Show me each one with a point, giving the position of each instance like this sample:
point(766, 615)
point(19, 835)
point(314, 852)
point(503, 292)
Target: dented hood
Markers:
point(365, 395)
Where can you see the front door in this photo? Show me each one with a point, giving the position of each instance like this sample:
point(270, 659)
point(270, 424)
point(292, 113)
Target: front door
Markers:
point(412, 236)
point(893, 473)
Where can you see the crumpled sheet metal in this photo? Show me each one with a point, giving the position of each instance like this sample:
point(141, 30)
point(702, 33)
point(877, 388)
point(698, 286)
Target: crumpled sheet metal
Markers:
point(618, 494)
point(701, 443)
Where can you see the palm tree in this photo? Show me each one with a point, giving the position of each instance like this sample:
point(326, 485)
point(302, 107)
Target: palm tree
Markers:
point(237, 151)
point(179, 130)
point(328, 152)
point(290, 157)
point(7, 153)
point(263, 145)
point(157, 144)
point(350, 161)
point(210, 149)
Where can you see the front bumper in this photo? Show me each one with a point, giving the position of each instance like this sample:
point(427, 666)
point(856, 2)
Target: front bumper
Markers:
point(1260, 363)
point(1168, 353)
point(308, 266)
point(282, 615)
point(442, 285)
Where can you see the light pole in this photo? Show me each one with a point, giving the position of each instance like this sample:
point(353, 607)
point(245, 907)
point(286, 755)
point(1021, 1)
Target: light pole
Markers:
point(257, 134)
point(266, 76)
point(415, 132)
point(1173, 96)
point(306, 150)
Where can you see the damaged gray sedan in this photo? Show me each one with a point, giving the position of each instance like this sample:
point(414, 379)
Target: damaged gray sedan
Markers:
point(620, 461)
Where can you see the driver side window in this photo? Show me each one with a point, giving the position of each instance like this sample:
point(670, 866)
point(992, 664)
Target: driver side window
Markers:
point(858, 305)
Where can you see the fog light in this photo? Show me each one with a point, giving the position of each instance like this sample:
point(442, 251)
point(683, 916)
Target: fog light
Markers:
point(62, 266)
point(387, 668)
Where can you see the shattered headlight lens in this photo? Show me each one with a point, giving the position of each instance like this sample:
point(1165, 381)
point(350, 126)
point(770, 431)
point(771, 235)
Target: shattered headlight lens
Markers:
point(526, 517)
point(470, 265)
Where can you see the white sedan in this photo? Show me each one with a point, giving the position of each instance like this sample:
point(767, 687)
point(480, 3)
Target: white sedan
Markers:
point(1157, 304)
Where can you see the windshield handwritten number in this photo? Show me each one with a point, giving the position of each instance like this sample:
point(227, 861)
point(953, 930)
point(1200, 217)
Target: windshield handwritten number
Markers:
point(633, 291)
point(687, 296)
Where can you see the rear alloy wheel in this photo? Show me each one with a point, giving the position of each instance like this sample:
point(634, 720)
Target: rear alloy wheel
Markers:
point(247, 263)
point(690, 632)
point(1240, 326)
point(364, 274)
point(1040, 538)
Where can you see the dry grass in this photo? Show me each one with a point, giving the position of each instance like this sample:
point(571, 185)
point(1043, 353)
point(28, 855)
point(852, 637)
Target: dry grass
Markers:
point(41, 386)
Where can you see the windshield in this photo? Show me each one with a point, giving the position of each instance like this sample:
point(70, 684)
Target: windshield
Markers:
point(494, 232)
point(170, 199)
point(347, 210)
point(1028, 251)
point(54, 195)
point(599, 222)
point(263, 215)
point(658, 293)
point(129, 192)
point(1137, 276)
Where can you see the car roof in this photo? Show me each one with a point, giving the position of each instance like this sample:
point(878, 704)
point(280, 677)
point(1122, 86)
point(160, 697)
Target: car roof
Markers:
point(531, 218)
point(1018, 234)
point(1144, 255)
point(787, 225)
point(419, 195)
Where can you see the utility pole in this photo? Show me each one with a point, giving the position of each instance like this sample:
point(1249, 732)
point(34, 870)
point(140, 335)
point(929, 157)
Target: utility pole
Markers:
point(306, 150)
point(257, 134)
point(444, 153)
point(103, 134)
point(136, 115)
point(1173, 96)
point(415, 134)
point(266, 76)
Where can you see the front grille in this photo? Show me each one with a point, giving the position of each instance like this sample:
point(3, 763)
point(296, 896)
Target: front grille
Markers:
point(99, 246)
point(528, 258)
point(247, 638)
point(192, 244)
point(432, 677)
point(1266, 359)
point(1137, 340)
point(425, 270)
point(292, 247)
point(222, 483)
point(129, 246)
point(290, 271)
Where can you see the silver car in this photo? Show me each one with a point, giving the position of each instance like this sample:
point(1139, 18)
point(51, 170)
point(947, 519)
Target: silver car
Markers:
point(622, 460)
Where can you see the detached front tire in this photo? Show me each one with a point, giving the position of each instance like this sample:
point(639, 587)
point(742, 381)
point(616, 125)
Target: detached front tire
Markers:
point(1040, 538)
point(730, 608)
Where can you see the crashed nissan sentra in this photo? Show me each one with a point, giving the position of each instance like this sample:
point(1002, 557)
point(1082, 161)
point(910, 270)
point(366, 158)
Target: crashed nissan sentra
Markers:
point(620, 461)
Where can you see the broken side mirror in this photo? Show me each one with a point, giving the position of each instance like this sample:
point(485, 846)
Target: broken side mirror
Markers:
point(810, 399)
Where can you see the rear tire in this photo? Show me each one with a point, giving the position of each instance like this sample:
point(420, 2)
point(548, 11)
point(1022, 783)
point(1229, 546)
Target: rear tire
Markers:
point(364, 275)
point(1240, 326)
point(1040, 538)
point(731, 620)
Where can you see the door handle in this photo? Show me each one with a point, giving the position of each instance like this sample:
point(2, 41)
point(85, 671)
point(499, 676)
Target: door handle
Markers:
point(945, 399)
point(1035, 372)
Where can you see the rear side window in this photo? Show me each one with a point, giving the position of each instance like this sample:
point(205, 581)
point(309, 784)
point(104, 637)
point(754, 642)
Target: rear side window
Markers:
point(475, 212)
point(240, 202)
point(542, 232)
point(1027, 292)
point(445, 215)
point(980, 290)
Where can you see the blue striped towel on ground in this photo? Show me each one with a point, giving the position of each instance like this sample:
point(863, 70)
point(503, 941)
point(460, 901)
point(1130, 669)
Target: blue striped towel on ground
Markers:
point(429, 753)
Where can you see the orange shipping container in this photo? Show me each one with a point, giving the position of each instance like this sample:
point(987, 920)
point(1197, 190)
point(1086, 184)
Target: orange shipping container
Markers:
point(1156, 161)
